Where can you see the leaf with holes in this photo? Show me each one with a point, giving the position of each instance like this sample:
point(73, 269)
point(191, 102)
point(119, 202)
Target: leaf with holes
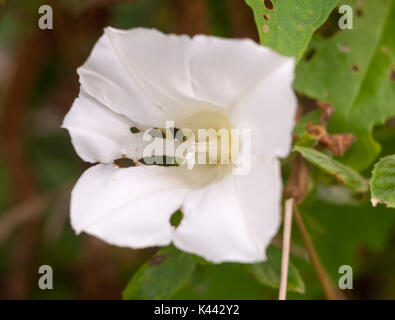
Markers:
point(382, 183)
point(353, 71)
point(162, 276)
point(268, 272)
point(348, 176)
point(287, 25)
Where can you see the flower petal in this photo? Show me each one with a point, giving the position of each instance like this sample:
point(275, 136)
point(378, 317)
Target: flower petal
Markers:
point(268, 109)
point(127, 207)
point(99, 134)
point(260, 198)
point(223, 69)
point(159, 62)
point(215, 227)
point(106, 78)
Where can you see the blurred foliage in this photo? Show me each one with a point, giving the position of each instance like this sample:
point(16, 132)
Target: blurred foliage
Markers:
point(162, 276)
point(268, 272)
point(344, 227)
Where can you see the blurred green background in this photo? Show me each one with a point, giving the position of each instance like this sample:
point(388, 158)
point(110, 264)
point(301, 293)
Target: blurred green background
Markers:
point(38, 165)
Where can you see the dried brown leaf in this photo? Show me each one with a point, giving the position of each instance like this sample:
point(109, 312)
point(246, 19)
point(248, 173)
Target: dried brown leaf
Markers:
point(297, 184)
point(337, 143)
point(327, 111)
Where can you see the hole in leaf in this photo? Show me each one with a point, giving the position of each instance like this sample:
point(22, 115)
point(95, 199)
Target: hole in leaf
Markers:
point(124, 163)
point(268, 4)
point(310, 54)
point(134, 130)
point(355, 68)
point(176, 218)
point(266, 17)
point(331, 25)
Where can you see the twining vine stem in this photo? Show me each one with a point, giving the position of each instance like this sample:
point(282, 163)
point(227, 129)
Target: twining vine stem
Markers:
point(289, 205)
point(330, 292)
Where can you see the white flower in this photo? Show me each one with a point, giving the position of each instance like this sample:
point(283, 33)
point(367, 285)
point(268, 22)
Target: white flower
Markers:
point(141, 78)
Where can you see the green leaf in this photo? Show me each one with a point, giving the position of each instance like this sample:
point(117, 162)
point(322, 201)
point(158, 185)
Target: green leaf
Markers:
point(162, 276)
point(383, 182)
point(225, 281)
point(306, 140)
point(268, 272)
point(348, 176)
point(353, 71)
point(340, 233)
point(287, 25)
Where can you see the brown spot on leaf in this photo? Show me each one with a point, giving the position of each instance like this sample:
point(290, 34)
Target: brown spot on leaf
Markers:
point(385, 49)
point(266, 17)
point(359, 12)
point(392, 73)
point(157, 260)
point(355, 68)
point(265, 28)
point(268, 4)
point(343, 47)
point(297, 184)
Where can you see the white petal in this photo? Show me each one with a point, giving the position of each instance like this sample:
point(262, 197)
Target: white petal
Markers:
point(126, 207)
point(260, 197)
point(214, 225)
point(223, 69)
point(268, 109)
point(105, 77)
point(159, 63)
point(99, 134)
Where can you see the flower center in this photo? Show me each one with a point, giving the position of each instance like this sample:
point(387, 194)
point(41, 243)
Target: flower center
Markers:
point(200, 150)
point(211, 138)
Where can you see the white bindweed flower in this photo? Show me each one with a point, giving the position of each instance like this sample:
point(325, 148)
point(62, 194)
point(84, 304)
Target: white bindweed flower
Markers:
point(140, 78)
